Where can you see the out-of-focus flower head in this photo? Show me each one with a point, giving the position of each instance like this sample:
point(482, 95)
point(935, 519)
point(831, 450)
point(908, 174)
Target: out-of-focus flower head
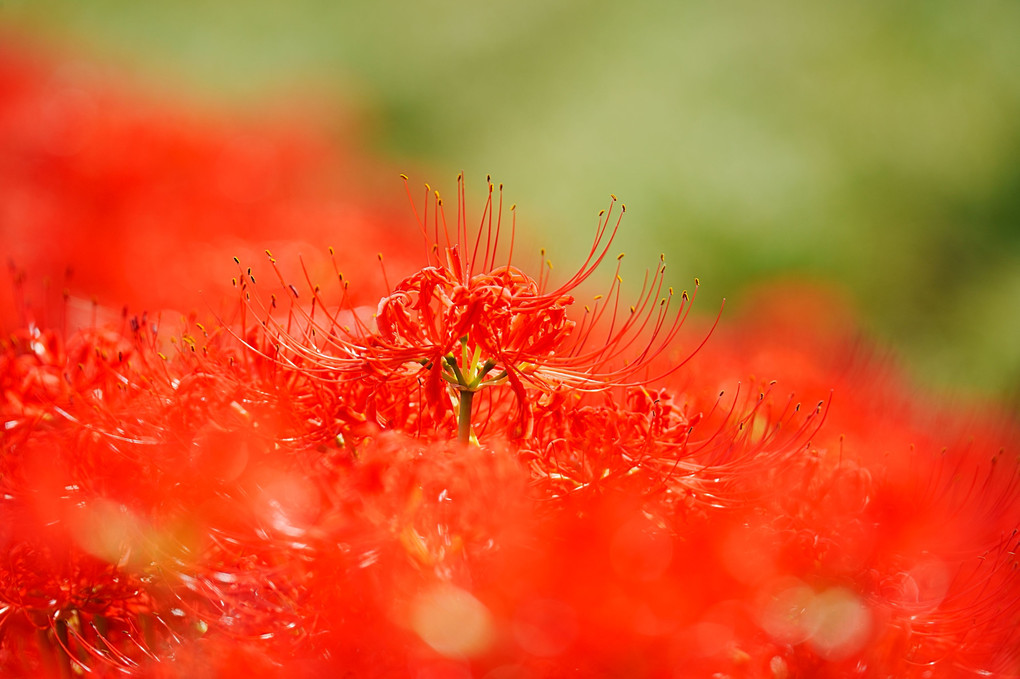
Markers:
point(135, 202)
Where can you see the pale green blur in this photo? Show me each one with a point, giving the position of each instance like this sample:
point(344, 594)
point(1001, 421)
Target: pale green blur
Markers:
point(873, 144)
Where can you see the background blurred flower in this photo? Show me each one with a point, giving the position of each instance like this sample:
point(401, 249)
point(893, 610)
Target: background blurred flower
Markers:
point(142, 204)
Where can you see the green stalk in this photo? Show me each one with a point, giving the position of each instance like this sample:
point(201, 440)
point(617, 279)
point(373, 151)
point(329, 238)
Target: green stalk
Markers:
point(464, 417)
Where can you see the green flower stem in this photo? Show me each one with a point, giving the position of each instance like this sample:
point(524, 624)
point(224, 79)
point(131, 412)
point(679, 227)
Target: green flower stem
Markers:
point(467, 379)
point(452, 362)
point(464, 417)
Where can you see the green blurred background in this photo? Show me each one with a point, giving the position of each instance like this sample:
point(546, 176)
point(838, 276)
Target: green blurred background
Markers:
point(873, 145)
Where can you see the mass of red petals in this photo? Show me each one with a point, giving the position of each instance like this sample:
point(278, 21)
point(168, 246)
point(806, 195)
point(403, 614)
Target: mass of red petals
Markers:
point(272, 485)
point(471, 321)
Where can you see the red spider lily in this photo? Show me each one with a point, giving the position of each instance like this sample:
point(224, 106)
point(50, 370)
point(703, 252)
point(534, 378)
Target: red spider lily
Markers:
point(902, 512)
point(472, 322)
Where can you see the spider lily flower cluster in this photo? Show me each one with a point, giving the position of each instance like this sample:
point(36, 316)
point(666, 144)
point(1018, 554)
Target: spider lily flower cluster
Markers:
point(475, 474)
point(466, 322)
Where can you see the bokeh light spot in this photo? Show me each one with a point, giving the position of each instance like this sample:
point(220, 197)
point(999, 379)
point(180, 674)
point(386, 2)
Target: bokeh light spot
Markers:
point(452, 621)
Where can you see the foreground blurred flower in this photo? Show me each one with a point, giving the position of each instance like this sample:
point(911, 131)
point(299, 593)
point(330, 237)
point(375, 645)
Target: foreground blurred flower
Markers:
point(478, 475)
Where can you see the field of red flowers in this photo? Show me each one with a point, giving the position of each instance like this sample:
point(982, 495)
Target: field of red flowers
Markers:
point(238, 441)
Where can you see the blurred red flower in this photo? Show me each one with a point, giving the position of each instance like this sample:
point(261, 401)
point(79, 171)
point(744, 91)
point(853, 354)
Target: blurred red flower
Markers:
point(143, 204)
